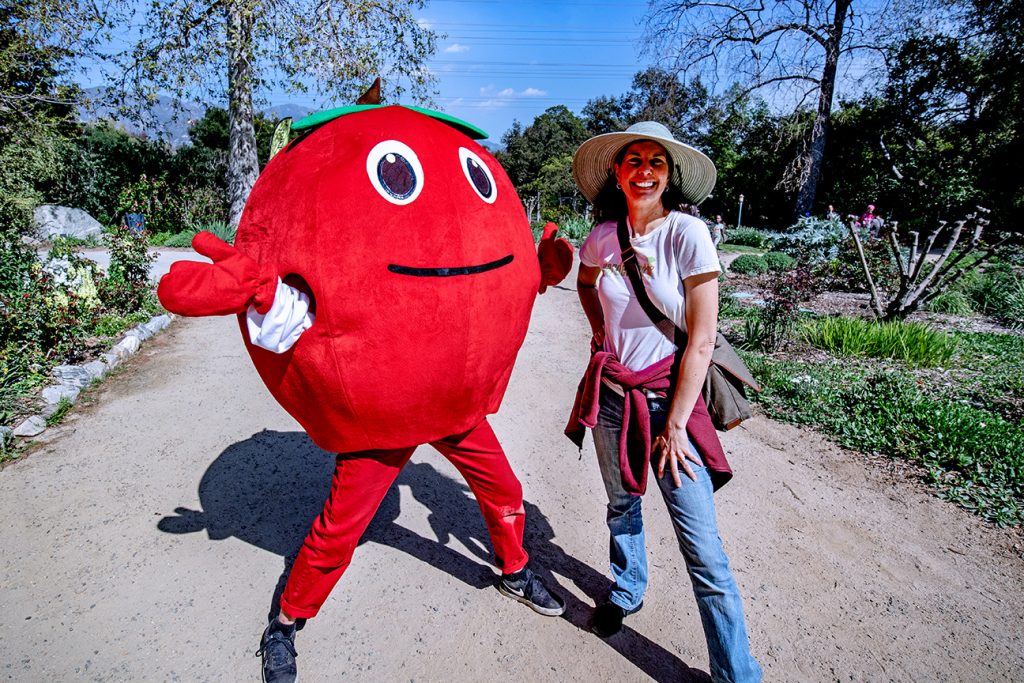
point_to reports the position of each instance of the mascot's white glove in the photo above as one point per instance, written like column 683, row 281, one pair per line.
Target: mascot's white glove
column 284, row 323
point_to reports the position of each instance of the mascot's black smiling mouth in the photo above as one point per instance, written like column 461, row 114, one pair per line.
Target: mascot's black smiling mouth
column 449, row 272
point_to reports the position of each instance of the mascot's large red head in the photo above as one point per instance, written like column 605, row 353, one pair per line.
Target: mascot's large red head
column 421, row 265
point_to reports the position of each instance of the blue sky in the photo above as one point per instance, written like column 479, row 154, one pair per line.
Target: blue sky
column 503, row 61
column 512, row 60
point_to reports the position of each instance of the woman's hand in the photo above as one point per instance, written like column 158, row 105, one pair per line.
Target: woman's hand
column 675, row 450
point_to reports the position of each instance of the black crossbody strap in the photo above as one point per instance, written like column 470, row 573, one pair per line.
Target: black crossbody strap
column 632, row 268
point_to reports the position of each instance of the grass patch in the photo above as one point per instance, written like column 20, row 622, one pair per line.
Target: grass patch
column 912, row 343
column 62, row 409
column 968, row 454
column 953, row 303
column 112, row 325
column 730, row 248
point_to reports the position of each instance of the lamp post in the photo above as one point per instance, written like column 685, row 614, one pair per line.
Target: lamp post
column 739, row 217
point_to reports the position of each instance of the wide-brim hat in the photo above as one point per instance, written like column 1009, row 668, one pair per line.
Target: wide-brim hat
column 692, row 171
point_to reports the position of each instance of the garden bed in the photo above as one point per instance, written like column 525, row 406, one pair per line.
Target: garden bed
column 952, row 414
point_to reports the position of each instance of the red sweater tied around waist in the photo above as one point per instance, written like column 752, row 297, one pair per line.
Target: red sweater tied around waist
column 635, row 437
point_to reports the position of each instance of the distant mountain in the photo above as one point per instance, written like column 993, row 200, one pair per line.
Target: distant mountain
column 170, row 122
column 277, row 112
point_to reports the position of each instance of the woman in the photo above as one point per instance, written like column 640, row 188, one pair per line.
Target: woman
column 639, row 381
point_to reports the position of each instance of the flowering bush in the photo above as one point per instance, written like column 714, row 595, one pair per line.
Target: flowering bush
column 128, row 275
column 776, row 320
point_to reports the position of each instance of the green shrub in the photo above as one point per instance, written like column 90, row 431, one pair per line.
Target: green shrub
column 778, row 261
column 812, row 240
column 913, row 343
column 750, row 237
column 219, row 228
column 179, row 240
column 574, row 228
column 989, row 289
column 748, row 264
column 953, row 302
column 1011, row 313
column 18, row 385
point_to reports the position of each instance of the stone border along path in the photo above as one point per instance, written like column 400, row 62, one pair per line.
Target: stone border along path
column 71, row 379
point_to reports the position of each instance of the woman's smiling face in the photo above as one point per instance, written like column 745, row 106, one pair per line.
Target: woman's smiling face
column 644, row 171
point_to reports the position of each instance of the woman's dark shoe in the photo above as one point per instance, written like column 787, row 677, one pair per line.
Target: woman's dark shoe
column 607, row 619
column 277, row 647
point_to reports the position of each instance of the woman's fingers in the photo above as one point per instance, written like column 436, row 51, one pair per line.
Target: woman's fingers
column 687, row 469
column 677, row 459
column 664, row 450
column 675, row 474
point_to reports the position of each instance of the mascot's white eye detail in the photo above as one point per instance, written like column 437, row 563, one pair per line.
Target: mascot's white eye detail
column 395, row 172
column 478, row 175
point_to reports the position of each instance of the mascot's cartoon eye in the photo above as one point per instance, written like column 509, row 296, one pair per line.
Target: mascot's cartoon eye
column 395, row 172
column 478, row 175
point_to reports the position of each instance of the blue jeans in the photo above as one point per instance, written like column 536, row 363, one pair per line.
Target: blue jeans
column 693, row 517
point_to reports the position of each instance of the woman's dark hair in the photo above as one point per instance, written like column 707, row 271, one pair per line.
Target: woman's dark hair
column 610, row 203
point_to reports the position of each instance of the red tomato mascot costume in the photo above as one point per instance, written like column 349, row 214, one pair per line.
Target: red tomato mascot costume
column 402, row 246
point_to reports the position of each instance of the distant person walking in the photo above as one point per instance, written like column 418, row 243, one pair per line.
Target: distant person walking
column 718, row 231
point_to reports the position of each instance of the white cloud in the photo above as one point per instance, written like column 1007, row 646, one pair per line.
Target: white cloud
column 500, row 98
column 456, row 48
column 492, row 104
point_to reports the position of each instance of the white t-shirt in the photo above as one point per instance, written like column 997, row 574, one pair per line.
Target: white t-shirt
column 678, row 248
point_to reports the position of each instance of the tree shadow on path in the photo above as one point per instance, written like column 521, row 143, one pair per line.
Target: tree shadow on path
column 267, row 490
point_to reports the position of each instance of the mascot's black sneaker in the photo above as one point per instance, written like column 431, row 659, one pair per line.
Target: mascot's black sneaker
column 607, row 619
column 277, row 647
column 527, row 588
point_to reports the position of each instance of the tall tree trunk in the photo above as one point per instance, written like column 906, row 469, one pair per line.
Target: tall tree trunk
column 822, row 120
column 243, row 165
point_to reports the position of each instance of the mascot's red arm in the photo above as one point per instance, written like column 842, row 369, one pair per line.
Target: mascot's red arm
column 555, row 258
column 229, row 285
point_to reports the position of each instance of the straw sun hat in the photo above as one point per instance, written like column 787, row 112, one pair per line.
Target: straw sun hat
column 692, row 171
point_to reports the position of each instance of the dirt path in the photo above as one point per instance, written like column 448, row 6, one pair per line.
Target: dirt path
column 143, row 541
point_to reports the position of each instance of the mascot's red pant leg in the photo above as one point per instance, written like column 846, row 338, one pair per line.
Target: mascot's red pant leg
column 360, row 483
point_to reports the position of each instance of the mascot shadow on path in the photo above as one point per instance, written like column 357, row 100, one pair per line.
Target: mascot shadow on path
column 266, row 490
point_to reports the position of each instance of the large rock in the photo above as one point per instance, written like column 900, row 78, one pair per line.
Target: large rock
column 62, row 221
column 73, row 374
column 56, row 393
column 33, row 426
